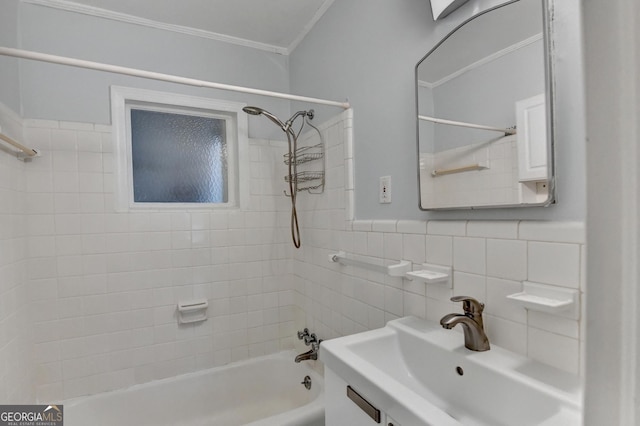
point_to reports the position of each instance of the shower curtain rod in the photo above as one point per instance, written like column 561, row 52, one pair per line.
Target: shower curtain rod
column 63, row 60
column 465, row 124
column 26, row 152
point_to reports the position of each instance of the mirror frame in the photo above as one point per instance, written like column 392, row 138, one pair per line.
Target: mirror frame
column 547, row 32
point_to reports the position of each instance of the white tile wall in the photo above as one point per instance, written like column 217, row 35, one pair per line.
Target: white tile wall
column 490, row 260
column 16, row 360
column 105, row 285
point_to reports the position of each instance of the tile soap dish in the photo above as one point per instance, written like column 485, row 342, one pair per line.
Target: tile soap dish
column 432, row 274
column 547, row 298
column 427, row 276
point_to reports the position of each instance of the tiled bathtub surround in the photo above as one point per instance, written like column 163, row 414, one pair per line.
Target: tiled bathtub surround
column 104, row 285
column 16, row 362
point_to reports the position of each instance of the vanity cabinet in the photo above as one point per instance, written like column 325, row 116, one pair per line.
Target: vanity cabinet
column 344, row 405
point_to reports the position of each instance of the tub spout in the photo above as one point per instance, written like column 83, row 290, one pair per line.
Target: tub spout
column 310, row 354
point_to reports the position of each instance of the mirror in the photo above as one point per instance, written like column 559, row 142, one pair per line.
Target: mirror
column 484, row 106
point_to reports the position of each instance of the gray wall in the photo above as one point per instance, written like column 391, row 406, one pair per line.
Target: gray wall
column 366, row 50
column 9, row 69
column 65, row 93
column 487, row 95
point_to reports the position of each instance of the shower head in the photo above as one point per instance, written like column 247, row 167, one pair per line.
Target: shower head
column 252, row 110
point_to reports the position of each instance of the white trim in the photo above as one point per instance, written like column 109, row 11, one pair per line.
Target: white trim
column 612, row 32
column 483, row 61
column 238, row 188
column 130, row 19
column 307, row 28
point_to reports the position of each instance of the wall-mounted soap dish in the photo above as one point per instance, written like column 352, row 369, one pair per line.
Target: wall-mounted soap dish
column 554, row 300
column 432, row 274
column 192, row 311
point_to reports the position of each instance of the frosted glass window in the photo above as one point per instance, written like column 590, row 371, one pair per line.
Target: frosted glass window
column 178, row 158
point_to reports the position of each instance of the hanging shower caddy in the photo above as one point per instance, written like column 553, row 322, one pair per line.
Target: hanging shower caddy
column 311, row 181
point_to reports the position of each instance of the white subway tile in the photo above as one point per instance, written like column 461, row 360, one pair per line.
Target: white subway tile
column 91, row 182
column 362, row 225
column 415, row 305
column 554, row 324
column 393, row 300
column 414, row 248
column 465, row 284
column 66, row 203
column 553, row 349
column 375, row 245
column 469, row 255
column 507, row 259
column 506, row 334
column 436, row 309
column 412, row 226
column 89, row 142
column 554, row 263
column 384, row 226
column 497, row 303
column 90, row 162
column 439, row 250
column 447, row 227
column 65, row 161
column 493, row 229
column 562, row 232
column 64, row 140
column 72, row 125
column 41, row 246
column 392, row 243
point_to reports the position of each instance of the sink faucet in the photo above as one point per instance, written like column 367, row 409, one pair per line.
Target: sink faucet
column 471, row 321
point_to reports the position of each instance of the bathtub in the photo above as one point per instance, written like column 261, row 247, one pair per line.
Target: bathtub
column 265, row 391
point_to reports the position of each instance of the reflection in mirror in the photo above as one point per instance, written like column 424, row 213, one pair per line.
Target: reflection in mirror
column 484, row 113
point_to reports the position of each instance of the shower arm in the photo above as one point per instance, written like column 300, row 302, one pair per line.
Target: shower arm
column 289, row 122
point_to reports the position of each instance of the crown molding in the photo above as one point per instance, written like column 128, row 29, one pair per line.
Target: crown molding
column 135, row 20
column 326, row 4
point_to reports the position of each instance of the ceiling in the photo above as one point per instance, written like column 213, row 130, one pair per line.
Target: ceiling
column 273, row 25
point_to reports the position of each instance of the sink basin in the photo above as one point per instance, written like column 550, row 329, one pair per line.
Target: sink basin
column 421, row 374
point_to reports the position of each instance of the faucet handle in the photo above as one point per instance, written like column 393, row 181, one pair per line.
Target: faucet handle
column 469, row 304
column 310, row 339
column 302, row 334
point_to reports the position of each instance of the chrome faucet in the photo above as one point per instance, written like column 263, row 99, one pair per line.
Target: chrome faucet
column 310, row 354
column 309, row 340
column 475, row 338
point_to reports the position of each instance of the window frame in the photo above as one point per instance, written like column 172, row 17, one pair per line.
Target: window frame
column 125, row 98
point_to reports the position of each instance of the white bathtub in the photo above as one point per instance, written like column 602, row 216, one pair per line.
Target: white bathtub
column 264, row 391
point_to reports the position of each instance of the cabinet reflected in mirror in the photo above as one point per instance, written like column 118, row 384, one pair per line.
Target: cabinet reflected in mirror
column 485, row 109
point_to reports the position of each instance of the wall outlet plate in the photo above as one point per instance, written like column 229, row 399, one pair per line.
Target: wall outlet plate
column 385, row 190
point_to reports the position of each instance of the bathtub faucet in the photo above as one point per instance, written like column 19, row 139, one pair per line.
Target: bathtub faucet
column 310, row 354
column 309, row 340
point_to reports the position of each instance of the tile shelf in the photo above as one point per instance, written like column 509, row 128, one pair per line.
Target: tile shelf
column 550, row 299
column 432, row 274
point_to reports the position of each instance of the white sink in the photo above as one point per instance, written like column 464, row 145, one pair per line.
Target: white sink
column 421, row 374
